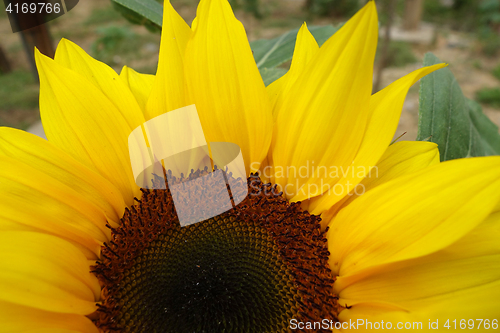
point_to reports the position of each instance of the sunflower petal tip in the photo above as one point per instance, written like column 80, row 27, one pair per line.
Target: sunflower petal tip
column 371, row 5
column 436, row 67
column 39, row 57
column 371, row 11
column 63, row 44
column 64, row 50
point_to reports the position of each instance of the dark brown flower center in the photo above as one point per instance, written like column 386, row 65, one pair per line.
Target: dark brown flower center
column 251, row 269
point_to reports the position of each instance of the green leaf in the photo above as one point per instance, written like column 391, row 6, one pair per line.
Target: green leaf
column 486, row 130
column 447, row 118
column 270, row 53
column 269, row 75
column 144, row 12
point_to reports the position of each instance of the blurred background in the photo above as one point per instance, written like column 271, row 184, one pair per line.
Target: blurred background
column 463, row 33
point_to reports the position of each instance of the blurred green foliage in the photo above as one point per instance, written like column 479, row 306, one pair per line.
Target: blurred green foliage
column 462, row 15
column 18, row 90
column 342, row 8
column 481, row 17
column 477, row 64
column 489, row 96
column 489, row 28
column 102, row 15
column 119, row 45
column 496, row 72
column 399, row 54
column 251, row 6
column 490, row 12
column 113, row 42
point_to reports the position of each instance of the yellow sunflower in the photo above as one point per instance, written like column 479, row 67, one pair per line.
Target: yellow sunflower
column 369, row 235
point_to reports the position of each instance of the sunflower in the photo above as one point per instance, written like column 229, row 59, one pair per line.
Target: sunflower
column 369, row 235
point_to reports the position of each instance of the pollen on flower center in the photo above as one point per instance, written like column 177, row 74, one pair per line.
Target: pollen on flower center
column 250, row 269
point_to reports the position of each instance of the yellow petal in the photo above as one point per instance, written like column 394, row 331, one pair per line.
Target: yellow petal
column 78, row 118
column 140, row 85
column 400, row 158
column 87, row 245
column 414, row 215
column 306, row 48
column 168, row 91
column 363, row 316
column 47, row 273
column 385, row 110
column 71, row 56
column 45, row 157
column 225, row 85
column 325, row 113
column 32, row 198
column 18, row 318
column 459, row 282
